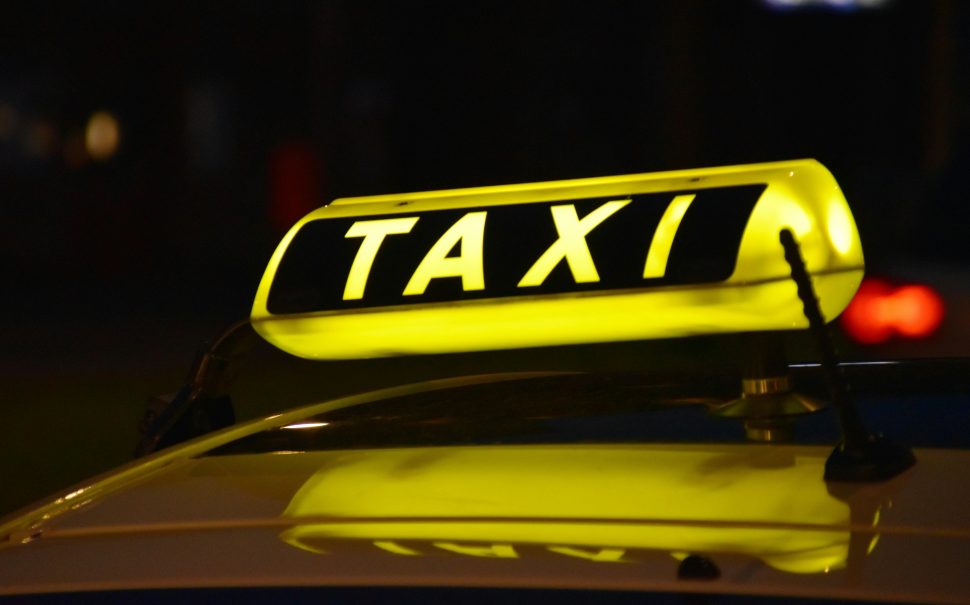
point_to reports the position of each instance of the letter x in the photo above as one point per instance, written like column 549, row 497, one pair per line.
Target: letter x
column 571, row 244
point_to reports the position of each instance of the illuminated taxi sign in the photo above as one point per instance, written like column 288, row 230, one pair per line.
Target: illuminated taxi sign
column 512, row 251
column 616, row 258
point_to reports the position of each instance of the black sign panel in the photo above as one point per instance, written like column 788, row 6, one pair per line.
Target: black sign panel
column 313, row 273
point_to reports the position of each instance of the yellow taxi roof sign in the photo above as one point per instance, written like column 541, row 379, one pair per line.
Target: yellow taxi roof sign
column 590, row 260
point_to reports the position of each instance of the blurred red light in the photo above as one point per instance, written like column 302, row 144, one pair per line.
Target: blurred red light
column 865, row 319
column 296, row 181
column 918, row 311
column 878, row 312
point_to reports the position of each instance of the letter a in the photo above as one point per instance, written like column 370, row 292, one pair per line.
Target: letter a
column 469, row 230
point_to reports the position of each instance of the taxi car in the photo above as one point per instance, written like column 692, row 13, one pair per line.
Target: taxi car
column 661, row 484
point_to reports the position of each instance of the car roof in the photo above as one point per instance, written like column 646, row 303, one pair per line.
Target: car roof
column 587, row 515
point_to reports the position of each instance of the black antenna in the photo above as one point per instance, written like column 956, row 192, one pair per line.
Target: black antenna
column 861, row 456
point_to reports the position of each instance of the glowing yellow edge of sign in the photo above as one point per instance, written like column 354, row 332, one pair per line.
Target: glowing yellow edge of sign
column 801, row 195
column 584, row 483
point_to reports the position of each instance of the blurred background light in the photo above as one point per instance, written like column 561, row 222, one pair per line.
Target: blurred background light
column 918, row 311
column 102, row 135
column 839, row 5
column 879, row 312
column 296, row 175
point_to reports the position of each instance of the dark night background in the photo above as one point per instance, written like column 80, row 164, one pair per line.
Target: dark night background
column 235, row 119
